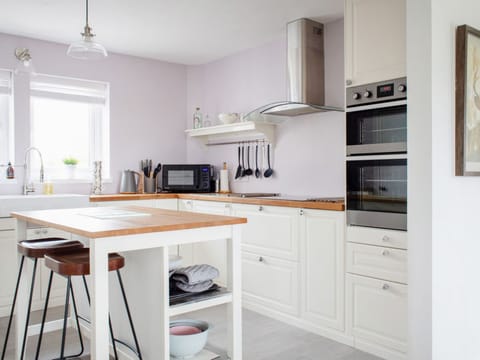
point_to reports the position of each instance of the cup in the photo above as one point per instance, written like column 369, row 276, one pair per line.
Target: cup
column 150, row 185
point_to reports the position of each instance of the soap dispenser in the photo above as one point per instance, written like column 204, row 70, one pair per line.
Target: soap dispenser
column 10, row 171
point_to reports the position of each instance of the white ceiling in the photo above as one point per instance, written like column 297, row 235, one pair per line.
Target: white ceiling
column 180, row 31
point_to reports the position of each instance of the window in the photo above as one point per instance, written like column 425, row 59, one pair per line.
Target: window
column 69, row 119
column 6, row 118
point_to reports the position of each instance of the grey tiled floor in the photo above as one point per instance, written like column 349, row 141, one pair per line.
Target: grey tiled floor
column 263, row 339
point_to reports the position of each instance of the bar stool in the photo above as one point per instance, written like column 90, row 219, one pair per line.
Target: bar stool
column 77, row 263
column 34, row 250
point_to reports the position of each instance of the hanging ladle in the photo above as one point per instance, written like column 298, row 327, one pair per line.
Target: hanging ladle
column 269, row 171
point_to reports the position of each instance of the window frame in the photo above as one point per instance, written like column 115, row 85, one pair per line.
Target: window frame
column 44, row 86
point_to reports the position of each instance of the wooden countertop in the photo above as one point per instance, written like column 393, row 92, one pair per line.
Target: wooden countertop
column 319, row 205
column 96, row 222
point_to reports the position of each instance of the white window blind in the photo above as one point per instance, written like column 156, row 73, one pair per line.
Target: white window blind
column 70, row 118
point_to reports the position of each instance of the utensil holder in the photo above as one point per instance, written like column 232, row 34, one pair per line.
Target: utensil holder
column 150, row 185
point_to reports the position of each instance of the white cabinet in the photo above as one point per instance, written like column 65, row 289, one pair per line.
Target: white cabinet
column 376, row 291
column 377, row 315
column 8, row 259
column 270, row 282
column 322, row 234
column 270, row 230
column 375, row 40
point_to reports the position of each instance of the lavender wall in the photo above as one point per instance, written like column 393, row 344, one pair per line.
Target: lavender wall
column 147, row 106
column 309, row 150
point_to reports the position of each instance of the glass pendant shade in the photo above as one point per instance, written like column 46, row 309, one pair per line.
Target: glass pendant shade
column 87, row 49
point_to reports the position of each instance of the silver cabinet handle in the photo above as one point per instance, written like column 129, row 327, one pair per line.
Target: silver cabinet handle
column 385, row 252
column 260, row 208
column 261, row 259
column 348, row 82
column 385, row 238
column 37, row 232
column 302, row 212
column 385, row 287
column 45, row 231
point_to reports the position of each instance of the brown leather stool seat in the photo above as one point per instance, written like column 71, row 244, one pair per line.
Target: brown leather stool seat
column 41, row 247
column 78, row 262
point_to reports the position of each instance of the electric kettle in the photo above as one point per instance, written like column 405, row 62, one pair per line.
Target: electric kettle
column 128, row 184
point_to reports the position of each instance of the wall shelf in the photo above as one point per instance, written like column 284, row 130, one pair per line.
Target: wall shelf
column 234, row 133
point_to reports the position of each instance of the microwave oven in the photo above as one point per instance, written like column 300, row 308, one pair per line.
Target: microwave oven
column 187, row 178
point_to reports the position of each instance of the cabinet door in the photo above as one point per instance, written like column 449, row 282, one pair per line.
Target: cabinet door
column 323, row 267
column 377, row 312
column 270, row 283
column 375, row 40
column 270, row 230
column 212, row 252
column 144, row 203
column 9, row 269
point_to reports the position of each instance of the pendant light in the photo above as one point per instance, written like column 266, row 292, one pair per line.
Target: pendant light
column 87, row 49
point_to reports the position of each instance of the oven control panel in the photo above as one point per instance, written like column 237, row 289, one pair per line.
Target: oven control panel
column 378, row 92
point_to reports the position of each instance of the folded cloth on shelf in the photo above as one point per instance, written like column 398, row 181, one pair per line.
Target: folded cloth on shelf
column 195, row 274
column 196, row 288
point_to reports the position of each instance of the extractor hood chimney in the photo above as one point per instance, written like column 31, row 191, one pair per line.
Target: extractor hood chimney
column 306, row 73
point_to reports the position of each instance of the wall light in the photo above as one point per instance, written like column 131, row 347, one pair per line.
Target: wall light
column 24, row 64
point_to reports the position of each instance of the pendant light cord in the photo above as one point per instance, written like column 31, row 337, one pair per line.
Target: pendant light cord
column 86, row 12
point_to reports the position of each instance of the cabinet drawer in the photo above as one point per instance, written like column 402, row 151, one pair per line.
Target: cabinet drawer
column 377, row 311
column 8, row 223
column 378, row 262
column 270, row 230
column 380, row 237
column 270, row 282
column 45, row 232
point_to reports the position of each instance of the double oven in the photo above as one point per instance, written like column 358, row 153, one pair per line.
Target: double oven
column 377, row 155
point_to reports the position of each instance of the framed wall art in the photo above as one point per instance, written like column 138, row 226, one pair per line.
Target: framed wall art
column 467, row 102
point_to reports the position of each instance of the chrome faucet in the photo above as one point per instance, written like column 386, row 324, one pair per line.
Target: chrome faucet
column 28, row 186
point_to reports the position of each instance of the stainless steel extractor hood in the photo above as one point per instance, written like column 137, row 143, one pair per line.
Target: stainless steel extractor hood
column 306, row 74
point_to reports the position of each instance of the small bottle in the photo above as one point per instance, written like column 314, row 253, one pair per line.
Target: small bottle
column 197, row 119
column 207, row 122
column 10, row 171
column 224, row 188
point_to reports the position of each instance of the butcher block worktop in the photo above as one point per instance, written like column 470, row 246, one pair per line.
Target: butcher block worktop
column 335, row 204
column 97, row 222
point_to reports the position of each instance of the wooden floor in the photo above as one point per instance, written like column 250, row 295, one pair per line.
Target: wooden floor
column 263, row 339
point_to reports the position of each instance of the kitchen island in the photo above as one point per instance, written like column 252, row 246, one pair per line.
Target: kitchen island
column 132, row 228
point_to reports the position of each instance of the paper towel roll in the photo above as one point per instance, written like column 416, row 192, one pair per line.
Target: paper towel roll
column 224, row 181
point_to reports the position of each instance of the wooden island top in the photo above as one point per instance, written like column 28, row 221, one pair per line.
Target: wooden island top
column 98, row 222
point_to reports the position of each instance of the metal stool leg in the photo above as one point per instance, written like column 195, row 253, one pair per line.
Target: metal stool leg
column 25, row 332
column 65, row 316
column 44, row 315
column 13, row 307
column 139, row 354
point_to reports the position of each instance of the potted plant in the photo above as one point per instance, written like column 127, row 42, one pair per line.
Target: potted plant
column 71, row 165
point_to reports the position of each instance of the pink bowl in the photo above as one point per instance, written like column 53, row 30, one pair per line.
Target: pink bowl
column 184, row 330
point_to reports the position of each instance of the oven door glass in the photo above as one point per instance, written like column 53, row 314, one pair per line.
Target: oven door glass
column 377, row 131
column 377, row 185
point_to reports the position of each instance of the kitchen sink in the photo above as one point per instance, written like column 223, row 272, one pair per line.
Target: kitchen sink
column 9, row 203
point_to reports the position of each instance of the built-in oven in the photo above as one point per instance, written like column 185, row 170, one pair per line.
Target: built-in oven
column 377, row 192
column 377, row 155
column 377, row 118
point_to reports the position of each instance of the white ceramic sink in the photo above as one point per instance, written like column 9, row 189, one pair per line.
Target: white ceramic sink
column 9, row 203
